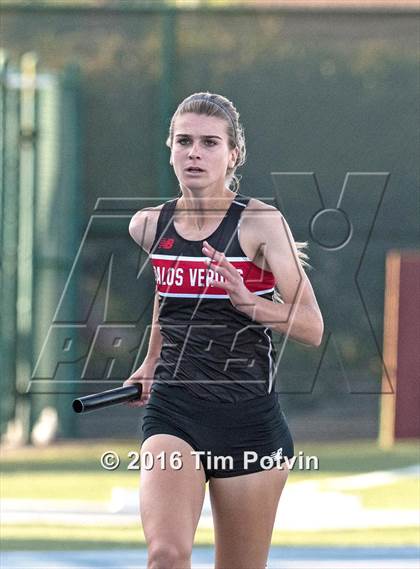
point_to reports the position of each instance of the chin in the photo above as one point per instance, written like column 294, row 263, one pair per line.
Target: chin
column 194, row 186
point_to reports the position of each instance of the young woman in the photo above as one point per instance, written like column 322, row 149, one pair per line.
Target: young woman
column 227, row 273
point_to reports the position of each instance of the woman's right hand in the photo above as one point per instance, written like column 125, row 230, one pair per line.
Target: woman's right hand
column 145, row 376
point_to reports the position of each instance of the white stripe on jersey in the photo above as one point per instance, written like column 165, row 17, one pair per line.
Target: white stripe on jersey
column 270, row 362
column 187, row 295
column 201, row 259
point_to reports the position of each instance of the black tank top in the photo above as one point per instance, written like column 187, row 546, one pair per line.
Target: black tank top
column 209, row 347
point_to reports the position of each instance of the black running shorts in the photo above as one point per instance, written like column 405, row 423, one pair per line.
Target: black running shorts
column 234, row 438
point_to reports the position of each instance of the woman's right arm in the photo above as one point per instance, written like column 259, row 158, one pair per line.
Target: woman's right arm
column 143, row 229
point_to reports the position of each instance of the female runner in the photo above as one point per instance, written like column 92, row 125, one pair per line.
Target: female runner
column 227, row 272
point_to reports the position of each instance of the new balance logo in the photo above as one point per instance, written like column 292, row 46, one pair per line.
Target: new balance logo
column 277, row 453
column 166, row 243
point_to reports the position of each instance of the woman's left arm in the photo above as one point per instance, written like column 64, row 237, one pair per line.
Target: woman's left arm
column 299, row 316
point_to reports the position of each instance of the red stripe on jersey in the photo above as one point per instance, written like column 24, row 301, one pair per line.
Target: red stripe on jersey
column 188, row 276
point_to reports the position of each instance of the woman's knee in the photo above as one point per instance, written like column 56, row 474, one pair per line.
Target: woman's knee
column 167, row 555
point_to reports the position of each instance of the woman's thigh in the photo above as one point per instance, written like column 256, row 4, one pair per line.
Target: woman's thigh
column 244, row 509
column 171, row 499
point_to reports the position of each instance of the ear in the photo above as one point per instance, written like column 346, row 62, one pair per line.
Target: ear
column 233, row 157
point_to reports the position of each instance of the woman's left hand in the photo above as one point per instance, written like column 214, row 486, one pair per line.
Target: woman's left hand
column 233, row 283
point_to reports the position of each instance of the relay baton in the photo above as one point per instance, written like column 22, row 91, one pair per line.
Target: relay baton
column 107, row 398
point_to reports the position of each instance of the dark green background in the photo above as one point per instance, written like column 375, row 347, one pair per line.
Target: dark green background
column 321, row 92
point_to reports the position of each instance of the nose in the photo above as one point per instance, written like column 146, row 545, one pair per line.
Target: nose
column 194, row 150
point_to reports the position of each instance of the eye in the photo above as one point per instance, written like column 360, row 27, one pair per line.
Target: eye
column 184, row 141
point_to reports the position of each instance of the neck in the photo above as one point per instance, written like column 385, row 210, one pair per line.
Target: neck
column 196, row 206
column 198, row 202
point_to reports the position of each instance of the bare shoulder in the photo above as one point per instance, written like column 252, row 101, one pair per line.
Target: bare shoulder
column 257, row 213
column 143, row 226
column 256, row 220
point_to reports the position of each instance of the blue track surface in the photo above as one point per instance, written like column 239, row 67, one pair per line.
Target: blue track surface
column 280, row 558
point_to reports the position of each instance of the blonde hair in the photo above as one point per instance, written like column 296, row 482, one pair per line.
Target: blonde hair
column 214, row 105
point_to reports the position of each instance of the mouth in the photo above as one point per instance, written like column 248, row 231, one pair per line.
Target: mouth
column 194, row 170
